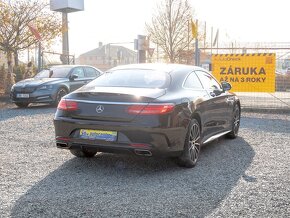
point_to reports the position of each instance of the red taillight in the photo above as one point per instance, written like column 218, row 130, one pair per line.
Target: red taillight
column 62, row 138
column 151, row 109
column 139, row 145
column 67, row 105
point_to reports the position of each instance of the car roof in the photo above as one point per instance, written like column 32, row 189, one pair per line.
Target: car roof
column 72, row 66
column 158, row 67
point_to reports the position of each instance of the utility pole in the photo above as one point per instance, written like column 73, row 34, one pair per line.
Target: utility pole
column 66, row 6
column 196, row 47
column 28, row 55
column 142, row 46
column 211, row 36
column 157, row 52
column 204, row 41
column 65, row 45
column 187, row 55
column 39, row 56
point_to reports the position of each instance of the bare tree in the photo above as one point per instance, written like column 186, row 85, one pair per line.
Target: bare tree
column 15, row 16
column 169, row 27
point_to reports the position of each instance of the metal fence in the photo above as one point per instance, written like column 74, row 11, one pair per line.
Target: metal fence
column 280, row 97
column 269, row 101
column 54, row 58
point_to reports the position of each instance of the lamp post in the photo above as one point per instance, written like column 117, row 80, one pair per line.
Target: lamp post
column 142, row 47
column 65, row 44
column 66, row 6
column 196, row 47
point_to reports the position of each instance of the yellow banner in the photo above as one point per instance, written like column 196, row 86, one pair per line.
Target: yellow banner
column 246, row 72
column 194, row 30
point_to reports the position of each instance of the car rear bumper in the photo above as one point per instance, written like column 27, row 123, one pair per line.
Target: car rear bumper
column 131, row 138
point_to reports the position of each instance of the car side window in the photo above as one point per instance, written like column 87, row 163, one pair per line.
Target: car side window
column 208, row 81
column 79, row 71
column 91, row 72
column 192, row 82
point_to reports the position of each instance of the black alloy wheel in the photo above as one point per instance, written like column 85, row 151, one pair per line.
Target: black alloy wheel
column 21, row 105
column 83, row 153
column 192, row 146
column 235, row 123
column 60, row 93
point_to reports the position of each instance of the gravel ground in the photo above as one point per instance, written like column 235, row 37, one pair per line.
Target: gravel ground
column 245, row 177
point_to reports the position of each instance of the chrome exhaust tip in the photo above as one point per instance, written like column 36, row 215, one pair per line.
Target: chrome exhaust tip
column 142, row 152
column 62, row 145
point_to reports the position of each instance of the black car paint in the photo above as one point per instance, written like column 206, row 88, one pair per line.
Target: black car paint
column 164, row 134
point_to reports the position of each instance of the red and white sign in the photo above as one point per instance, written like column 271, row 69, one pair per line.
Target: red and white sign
column 34, row 31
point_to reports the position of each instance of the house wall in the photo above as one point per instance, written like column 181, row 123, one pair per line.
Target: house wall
column 104, row 60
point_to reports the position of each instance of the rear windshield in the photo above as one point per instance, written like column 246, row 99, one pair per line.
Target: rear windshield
column 59, row 72
column 136, row 78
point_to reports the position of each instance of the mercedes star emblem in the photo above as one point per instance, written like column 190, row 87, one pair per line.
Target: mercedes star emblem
column 100, row 109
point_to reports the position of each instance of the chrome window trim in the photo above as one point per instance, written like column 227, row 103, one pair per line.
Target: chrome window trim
column 199, row 89
column 209, row 74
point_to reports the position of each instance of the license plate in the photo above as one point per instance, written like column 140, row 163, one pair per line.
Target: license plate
column 22, row 95
column 98, row 135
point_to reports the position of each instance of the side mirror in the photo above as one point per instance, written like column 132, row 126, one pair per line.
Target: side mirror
column 73, row 77
column 226, row 86
column 217, row 91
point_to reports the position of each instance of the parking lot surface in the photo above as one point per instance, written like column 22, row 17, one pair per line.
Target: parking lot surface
column 245, row 177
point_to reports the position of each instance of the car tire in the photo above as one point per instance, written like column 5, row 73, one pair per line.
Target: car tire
column 83, row 153
column 235, row 123
column 60, row 93
column 22, row 105
column 192, row 146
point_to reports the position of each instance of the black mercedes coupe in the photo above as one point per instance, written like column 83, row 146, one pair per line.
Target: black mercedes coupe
column 166, row 110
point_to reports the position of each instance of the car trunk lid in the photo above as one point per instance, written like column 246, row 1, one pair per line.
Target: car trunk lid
column 111, row 103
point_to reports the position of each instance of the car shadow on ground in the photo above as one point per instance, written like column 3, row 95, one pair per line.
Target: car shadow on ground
column 111, row 185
